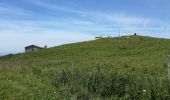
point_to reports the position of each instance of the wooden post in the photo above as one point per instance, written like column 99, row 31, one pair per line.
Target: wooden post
column 168, row 67
column 98, row 68
column 72, row 68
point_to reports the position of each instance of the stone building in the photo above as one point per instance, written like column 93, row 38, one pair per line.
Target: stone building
column 33, row 48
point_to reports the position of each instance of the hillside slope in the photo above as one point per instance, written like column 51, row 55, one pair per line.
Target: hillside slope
column 86, row 70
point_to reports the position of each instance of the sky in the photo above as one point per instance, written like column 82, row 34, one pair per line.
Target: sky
column 57, row 22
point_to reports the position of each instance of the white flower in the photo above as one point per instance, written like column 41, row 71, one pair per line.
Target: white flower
column 144, row 90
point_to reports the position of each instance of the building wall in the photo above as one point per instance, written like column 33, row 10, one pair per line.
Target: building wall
column 31, row 49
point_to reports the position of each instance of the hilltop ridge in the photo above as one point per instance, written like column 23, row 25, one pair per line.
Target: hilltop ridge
column 133, row 63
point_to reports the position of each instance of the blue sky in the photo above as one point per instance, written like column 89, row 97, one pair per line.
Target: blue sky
column 56, row 22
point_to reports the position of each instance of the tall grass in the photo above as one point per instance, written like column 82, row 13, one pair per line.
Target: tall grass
column 33, row 82
column 112, row 85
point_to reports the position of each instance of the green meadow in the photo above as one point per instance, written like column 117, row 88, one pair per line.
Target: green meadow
column 125, row 68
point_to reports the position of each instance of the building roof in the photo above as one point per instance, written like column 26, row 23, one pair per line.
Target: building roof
column 33, row 46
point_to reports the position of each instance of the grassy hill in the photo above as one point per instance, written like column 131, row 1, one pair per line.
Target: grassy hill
column 132, row 67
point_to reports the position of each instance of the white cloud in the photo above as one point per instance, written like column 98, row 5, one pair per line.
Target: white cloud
column 12, row 10
column 54, row 7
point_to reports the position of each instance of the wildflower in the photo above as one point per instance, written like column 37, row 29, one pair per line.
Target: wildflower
column 144, row 90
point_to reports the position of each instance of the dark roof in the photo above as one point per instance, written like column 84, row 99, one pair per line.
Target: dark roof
column 32, row 46
column 98, row 37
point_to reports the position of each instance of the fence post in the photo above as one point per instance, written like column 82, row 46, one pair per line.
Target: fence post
column 168, row 67
column 98, row 68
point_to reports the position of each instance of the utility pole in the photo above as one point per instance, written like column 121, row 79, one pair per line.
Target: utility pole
column 119, row 58
column 119, row 36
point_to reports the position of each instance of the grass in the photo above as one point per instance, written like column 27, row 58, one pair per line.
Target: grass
column 111, row 68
